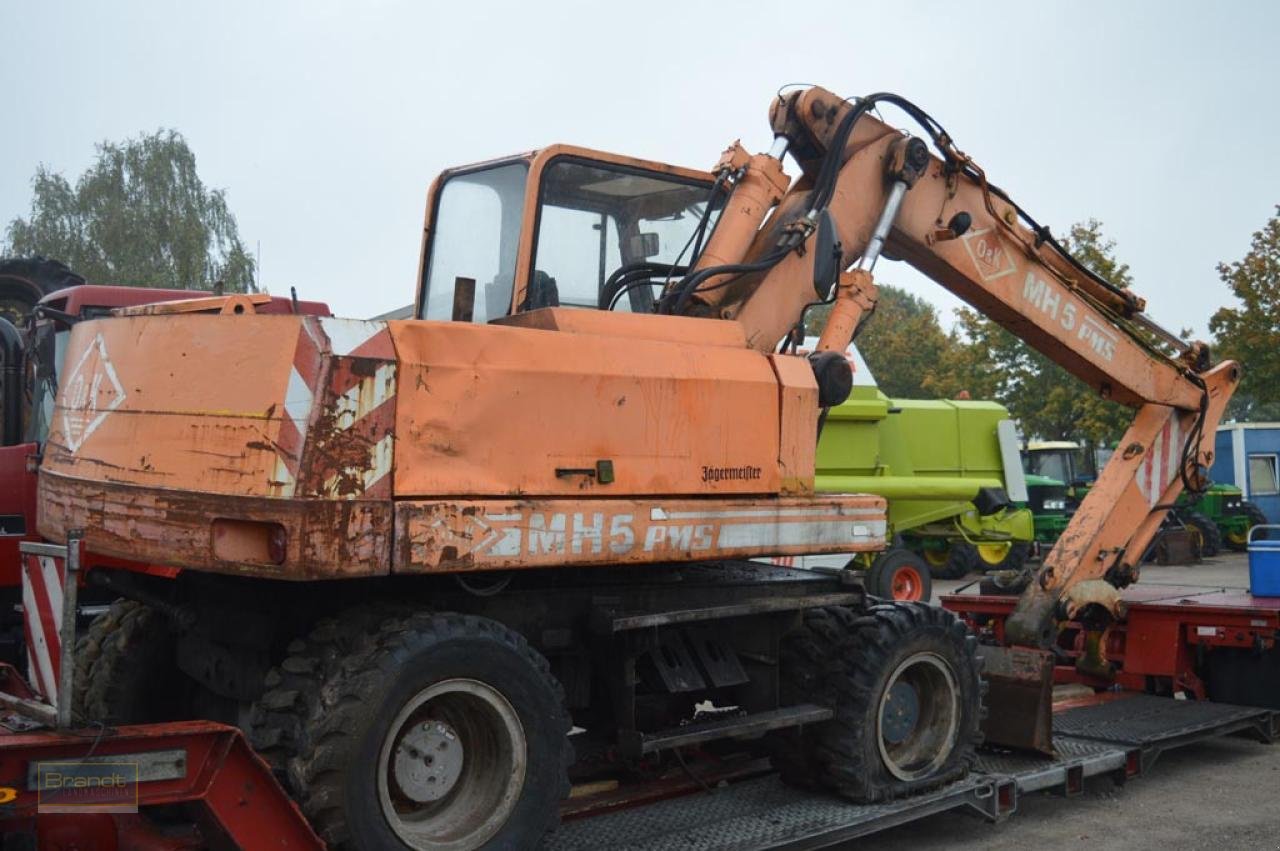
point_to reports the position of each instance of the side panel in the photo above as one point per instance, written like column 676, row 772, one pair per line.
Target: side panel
column 188, row 402
column 798, row 403
column 502, row 534
column 503, row 411
column 273, row 406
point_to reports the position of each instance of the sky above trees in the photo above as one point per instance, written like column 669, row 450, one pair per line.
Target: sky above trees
column 325, row 122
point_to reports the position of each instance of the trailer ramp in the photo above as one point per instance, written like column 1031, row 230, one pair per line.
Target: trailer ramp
column 1120, row 735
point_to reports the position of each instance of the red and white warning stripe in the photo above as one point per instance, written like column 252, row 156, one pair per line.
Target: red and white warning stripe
column 361, row 404
column 43, row 578
column 329, row 385
column 299, row 397
column 1161, row 462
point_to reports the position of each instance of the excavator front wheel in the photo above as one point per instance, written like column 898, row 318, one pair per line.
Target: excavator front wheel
column 439, row 731
column 903, row 680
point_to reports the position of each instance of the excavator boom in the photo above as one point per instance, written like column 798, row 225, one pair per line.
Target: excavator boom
column 867, row 188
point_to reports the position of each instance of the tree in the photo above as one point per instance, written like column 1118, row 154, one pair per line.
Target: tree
column 1250, row 333
column 139, row 215
column 901, row 342
column 1047, row 401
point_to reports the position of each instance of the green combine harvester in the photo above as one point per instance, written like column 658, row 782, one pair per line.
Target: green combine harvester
column 952, row 474
column 1218, row 518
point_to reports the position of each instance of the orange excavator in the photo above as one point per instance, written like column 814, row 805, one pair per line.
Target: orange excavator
column 415, row 553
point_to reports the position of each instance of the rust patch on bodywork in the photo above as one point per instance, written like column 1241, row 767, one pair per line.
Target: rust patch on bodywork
column 326, row 539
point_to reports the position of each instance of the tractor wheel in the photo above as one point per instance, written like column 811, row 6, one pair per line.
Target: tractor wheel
column 899, row 574
column 952, row 563
column 437, row 730
column 1205, row 533
column 1001, row 555
column 126, row 668
column 1239, row 541
column 903, row 680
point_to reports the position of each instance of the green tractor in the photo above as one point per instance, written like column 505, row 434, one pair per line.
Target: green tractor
column 1050, row 505
column 1220, row 517
column 951, row 474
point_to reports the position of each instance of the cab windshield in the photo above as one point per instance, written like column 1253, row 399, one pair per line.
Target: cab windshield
column 598, row 221
column 1065, row 465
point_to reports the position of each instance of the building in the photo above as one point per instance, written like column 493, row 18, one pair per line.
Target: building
column 1247, row 455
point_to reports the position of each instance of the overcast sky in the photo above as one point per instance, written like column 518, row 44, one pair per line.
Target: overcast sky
column 325, row 121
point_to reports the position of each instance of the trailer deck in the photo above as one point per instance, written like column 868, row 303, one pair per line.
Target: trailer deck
column 1119, row 734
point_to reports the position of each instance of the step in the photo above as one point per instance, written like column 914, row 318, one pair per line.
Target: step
column 742, row 725
column 608, row 622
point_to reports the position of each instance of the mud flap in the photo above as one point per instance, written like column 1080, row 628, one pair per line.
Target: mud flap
column 1019, row 698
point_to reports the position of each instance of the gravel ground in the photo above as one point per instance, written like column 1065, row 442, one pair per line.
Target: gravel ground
column 1220, row 795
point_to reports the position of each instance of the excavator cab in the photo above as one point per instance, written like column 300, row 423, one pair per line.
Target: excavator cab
column 560, row 227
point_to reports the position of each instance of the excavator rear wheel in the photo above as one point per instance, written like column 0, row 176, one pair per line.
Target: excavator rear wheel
column 277, row 718
column 437, row 730
column 903, row 679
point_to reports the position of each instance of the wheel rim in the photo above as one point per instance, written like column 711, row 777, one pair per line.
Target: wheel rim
column 452, row 766
column 919, row 717
column 907, row 584
column 937, row 558
column 994, row 553
column 1238, row 537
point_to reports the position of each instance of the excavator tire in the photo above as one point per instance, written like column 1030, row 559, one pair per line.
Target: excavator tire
column 904, row 681
column 276, row 719
column 416, row 736
column 1206, row 531
column 804, row 661
column 126, row 669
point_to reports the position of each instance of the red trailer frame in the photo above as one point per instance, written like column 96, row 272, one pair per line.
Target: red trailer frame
column 207, row 765
column 1161, row 642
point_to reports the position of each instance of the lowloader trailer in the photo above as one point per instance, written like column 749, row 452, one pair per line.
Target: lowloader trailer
column 198, row 784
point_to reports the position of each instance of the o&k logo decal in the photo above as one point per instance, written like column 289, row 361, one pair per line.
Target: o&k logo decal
column 988, row 254
column 92, row 391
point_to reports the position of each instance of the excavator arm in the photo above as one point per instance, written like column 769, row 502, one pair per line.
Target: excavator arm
column 866, row 189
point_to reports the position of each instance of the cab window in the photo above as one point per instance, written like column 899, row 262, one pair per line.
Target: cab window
column 595, row 219
column 475, row 232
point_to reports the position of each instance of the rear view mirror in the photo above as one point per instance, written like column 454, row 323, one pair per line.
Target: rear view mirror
column 643, row 245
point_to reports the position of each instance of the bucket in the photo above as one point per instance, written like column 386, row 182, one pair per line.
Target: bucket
column 1264, row 563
